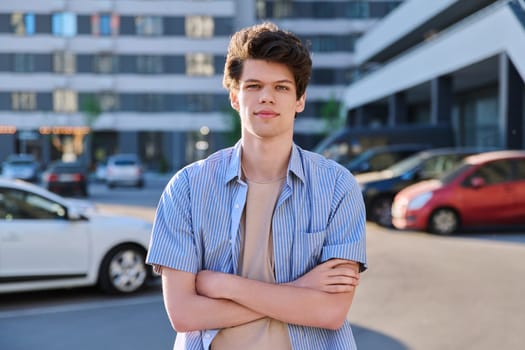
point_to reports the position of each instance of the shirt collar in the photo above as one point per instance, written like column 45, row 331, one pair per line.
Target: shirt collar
column 234, row 166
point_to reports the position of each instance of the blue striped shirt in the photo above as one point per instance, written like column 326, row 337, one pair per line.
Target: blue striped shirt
column 319, row 215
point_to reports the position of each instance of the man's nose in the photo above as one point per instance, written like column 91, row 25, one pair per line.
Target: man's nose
column 266, row 95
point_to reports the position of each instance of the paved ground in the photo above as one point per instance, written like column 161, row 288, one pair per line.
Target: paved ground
column 428, row 292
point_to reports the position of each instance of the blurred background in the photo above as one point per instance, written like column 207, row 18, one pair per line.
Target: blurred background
column 99, row 94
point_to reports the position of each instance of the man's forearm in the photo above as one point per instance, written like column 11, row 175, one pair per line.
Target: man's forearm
column 289, row 304
column 189, row 311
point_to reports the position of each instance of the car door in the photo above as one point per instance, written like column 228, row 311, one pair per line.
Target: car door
column 37, row 241
column 518, row 191
column 490, row 203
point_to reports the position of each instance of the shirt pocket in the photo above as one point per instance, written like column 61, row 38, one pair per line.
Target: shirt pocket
column 307, row 252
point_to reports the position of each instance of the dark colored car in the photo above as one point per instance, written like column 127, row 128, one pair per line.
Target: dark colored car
column 66, row 178
column 486, row 190
column 381, row 157
column 379, row 188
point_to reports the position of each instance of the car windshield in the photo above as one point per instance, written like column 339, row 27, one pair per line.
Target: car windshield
column 407, row 164
column 21, row 162
column 453, row 173
column 124, row 162
column 360, row 158
column 67, row 169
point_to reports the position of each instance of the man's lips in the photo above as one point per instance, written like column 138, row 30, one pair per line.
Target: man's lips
column 266, row 114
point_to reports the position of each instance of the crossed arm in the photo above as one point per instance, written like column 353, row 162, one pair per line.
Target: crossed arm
column 208, row 300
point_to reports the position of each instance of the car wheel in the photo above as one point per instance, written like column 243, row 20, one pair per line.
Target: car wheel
column 123, row 270
column 444, row 221
column 111, row 184
column 381, row 211
column 140, row 183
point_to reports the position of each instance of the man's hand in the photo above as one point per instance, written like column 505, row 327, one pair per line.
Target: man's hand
column 332, row 276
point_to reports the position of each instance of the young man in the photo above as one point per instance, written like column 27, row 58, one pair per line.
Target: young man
column 260, row 245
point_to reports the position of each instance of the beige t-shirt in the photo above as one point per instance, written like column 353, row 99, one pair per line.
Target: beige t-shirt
column 257, row 262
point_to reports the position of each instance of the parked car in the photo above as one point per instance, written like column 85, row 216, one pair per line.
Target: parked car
column 66, row 178
column 21, row 166
column 379, row 188
column 52, row 242
column 381, row 157
column 346, row 144
column 485, row 190
column 125, row 170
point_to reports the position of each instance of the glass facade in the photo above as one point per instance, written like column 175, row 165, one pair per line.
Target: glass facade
column 94, row 63
column 64, row 24
column 323, row 9
column 23, row 23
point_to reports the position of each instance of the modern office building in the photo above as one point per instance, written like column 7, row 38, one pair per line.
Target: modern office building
column 88, row 78
column 453, row 62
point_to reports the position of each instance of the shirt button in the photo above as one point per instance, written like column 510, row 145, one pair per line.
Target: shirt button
column 207, row 336
column 236, row 206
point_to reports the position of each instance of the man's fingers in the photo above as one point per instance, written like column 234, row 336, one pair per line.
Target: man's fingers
column 334, row 262
column 342, row 280
column 343, row 271
column 339, row 288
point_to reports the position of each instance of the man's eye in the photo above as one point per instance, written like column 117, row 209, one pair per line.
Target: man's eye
column 282, row 88
column 252, row 86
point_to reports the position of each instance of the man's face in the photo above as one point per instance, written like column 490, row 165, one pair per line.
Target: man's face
column 266, row 100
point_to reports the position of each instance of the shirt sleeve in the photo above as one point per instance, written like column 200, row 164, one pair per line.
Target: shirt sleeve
column 346, row 230
column 172, row 241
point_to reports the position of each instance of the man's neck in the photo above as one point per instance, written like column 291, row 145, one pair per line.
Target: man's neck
column 265, row 160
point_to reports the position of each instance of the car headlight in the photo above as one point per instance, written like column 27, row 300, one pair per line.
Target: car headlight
column 419, row 201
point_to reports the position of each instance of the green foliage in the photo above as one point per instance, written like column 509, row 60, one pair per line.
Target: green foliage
column 234, row 122
column 330, row 113
column 91, row 109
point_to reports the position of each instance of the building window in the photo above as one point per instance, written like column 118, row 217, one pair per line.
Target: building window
column 24, row 63
column 282, row 8
column 105, row 24
column 199, row 26
column 199, row 103
column 148, row 25
column 65, row 101
column 23, row 24
column 108, row 101
column 23, row 101
column 105, row 64
column 149, row 64
column 151, row 102
column 64, row 62
column 199, row 64
column 64, row 24
column 358, row 9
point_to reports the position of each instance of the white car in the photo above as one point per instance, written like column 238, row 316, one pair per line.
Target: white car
column 21, row 166
column 124, row 169
column 48, row 242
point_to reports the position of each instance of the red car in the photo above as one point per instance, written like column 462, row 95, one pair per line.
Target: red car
column 486, row 190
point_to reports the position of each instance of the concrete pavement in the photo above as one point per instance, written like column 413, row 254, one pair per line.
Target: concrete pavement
column 428, row 292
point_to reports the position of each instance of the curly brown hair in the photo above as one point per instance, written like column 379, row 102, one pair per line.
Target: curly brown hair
column 266, row 41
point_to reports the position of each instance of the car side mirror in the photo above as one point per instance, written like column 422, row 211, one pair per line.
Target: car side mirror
column 477, row 182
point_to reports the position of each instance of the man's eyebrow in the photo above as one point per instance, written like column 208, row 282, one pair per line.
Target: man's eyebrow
column 283, row 81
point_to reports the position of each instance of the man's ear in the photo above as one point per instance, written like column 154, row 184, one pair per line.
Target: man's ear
column 299, row 105
column 234, row 101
